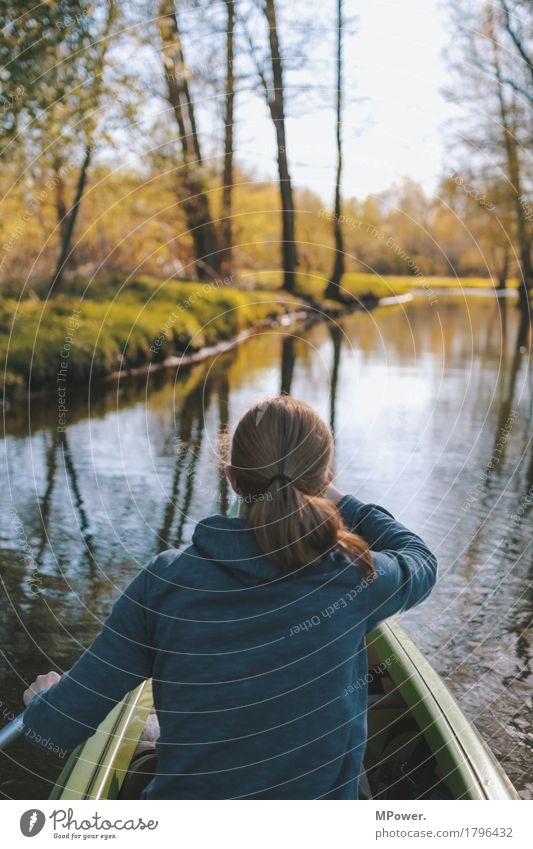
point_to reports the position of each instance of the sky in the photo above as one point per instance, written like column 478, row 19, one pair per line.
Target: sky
column 394, row 117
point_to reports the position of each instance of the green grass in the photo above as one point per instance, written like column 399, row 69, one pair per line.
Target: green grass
column 384, row 287
column 146, row 323
column 145, row 320
column 360, row 284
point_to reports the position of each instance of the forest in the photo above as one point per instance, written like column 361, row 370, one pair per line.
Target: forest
column 119, row 125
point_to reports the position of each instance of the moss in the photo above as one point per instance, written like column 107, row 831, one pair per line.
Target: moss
column 146, row 322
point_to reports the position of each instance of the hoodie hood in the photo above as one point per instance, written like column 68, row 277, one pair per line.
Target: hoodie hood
column 230, row 543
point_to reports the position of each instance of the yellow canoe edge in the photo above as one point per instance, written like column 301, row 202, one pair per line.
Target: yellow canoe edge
column 96, row 768
column 466, row 763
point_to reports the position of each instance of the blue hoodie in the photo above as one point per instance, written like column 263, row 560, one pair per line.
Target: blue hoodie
column 258, row 674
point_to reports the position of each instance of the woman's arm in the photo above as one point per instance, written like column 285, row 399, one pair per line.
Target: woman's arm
column 119, row 659
column 406, row 568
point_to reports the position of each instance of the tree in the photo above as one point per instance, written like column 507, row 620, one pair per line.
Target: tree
column 195, row 202
column 269, row 66
column 59, row 51
column 333, row 288
column 30, row 36
column 472, row 231
column 510, row 135
column 86, row 107
column 517, row 27
column 276, row 104
column 226, row 229
column 494, row 76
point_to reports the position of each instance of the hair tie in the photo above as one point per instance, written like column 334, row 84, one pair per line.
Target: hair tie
column 280, row 477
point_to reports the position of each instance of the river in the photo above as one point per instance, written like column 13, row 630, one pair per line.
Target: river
column 431, row 406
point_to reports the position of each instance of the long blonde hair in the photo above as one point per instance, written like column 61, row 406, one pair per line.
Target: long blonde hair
column 281, row 456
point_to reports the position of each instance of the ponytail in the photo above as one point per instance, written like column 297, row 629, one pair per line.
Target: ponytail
column 281, row 456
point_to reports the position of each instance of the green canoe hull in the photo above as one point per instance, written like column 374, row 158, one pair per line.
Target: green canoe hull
column 461, row 761
column 97, row 768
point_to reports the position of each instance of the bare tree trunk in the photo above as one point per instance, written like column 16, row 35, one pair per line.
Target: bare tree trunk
column 513, row 169
column 67, row 232
column 503, row 269
column 276, row 103
column 61, row 206
column 336, row 338
column 226, row 260
column 287, row 364
column 524, row 239
column 60, row 200
column 196, row 202
column 333, row 288
column 70, row 222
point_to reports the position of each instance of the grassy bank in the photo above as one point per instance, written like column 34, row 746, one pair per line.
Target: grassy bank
column 362, row 284
column 386, row 287
column 94, row 335
column 111, row 325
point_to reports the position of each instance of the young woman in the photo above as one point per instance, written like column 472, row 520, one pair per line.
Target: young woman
column 254, row 635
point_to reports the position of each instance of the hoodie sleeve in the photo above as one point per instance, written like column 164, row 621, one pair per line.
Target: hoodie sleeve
column 406, row 568
column 120, row 658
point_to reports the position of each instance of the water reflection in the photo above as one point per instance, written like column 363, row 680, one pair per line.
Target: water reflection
column 336, row 336
column 431, row 410
column 287, row 364
column 59, row 446
column 187, row 445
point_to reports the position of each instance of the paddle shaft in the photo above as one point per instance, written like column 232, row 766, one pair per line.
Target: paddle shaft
column 11, row 731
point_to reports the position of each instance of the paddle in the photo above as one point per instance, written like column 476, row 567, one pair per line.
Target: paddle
column 11, row 731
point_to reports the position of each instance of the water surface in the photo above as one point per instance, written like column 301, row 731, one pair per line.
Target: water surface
column 431, row 406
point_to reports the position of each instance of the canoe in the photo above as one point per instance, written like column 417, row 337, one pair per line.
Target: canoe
column 420, row 743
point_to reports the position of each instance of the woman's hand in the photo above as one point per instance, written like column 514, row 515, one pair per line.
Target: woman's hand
column 42, row 682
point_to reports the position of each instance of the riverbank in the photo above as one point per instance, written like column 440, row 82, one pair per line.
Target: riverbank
column 114, row 328
column 90, row 334
column 360, row 284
